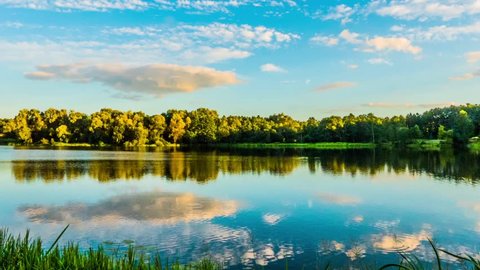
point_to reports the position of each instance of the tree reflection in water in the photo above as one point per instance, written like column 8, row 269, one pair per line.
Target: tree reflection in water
column 205, row 165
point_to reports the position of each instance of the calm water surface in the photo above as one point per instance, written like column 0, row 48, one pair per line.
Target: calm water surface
column 247, row 208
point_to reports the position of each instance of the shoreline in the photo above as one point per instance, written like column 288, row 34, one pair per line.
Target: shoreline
column 431, row 145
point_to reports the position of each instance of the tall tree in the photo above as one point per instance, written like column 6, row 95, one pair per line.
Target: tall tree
column 203, row 126
column 177, row 124
column 463, row 127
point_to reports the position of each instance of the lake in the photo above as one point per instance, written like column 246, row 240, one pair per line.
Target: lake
column 247, row 208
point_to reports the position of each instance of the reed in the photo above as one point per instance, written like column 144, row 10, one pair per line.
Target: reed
column 25, row 253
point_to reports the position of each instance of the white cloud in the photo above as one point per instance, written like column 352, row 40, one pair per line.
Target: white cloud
column 129, row 31
column 397, row 28
column 340, row 12
column 14, row 24
column 379, row 61
column 380, row 43
column 239, row 35
column 213, row 55
column 40, row 75
column 206, row 6
column 335, row 85
column 325, row 40
column 271, row 68
column 466, row 76
column 103, row 5
column 155, row 80
column 272, row 219
column 352, row 66
column 350, row 37
column 444, row 32
column 180, row 44
column 398, row 44
column 222, row 6
column 473, row 57
column 426, row 9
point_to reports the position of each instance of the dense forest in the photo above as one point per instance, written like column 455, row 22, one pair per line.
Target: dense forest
column 455, row 124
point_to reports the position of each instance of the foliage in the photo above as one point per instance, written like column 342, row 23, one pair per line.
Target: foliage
column 454, row 124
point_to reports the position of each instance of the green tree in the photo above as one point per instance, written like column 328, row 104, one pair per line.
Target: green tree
column 63, row 134
column 203, row 126
column 115, row 127
column 157, row 126
column 444, row 134
column 463, row 127
column 415, row 132
column 178, row 122
column 78, row 124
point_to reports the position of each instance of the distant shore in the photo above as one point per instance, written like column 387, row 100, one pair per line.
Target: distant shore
column 320, row 145
column 425, row 145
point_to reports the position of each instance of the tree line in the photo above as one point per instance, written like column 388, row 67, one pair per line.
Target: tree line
column 456, row 124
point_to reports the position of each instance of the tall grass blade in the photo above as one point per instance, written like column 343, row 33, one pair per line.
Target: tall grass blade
column 58, row 238
column 437, row 256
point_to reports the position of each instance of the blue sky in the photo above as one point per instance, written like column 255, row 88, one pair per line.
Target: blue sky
column 243, row 57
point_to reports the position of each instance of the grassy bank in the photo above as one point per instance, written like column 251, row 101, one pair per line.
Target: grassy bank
column 427, row 144
column 60, row 144
column 420, row 144
column 474, row 146
column 17, row 252
column 80, row 145
column 6, row 141
column 324, row 145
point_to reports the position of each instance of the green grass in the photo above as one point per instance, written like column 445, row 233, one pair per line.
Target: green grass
column 27, row 253
column 474, row 146
column 422, row 144
column 60, row 144
column 7, row 140
column 103, row 145
column 324, row 145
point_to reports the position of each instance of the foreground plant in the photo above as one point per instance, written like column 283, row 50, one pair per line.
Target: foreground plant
column 27, row 253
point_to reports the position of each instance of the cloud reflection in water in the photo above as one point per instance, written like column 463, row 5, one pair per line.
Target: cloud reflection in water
column 153, row 207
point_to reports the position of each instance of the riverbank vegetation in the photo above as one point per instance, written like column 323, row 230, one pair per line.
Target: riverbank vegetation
column 17, row 252
column 451, row 125
column 323, row 145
